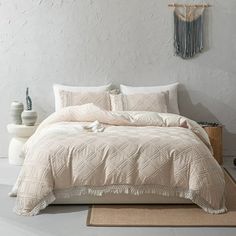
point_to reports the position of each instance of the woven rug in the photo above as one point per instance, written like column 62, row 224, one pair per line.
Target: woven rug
column 165, row 215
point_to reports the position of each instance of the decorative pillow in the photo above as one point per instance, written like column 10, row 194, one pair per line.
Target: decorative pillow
column 171, row 88
column 140, row 102
column 57, row 88
column 100, row 99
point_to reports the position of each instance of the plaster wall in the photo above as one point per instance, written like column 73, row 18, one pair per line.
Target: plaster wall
column 94, row 42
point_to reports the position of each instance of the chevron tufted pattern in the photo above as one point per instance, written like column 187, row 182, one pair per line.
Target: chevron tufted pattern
column 100, row 99
column 156, row 102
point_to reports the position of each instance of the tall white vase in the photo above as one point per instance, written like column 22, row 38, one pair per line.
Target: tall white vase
column 16, row 110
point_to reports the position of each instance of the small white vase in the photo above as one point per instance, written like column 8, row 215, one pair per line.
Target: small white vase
column 29, row 117
column 16, row 110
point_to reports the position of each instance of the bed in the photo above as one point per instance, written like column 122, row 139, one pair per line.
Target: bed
column 86, row 154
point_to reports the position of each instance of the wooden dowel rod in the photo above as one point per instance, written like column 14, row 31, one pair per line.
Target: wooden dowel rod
column 188, row 5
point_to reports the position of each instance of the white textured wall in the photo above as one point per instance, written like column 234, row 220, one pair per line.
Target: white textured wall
column 92, row 42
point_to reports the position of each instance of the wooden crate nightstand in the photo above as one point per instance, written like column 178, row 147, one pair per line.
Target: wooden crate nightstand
column 214, row 132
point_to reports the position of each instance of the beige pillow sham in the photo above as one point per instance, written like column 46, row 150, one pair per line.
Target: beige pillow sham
column 100, row 99
column 155, row 102
column 172, row 89
column 57, row 88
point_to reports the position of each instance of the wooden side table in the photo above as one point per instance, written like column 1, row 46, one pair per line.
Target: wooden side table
column 20, row 134
column 215, row 136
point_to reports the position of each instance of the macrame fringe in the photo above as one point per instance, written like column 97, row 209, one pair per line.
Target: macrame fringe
column 188, row 35
column 125, row 189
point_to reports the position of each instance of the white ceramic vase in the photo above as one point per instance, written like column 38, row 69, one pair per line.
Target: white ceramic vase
column 16, row 110
column 29, row 117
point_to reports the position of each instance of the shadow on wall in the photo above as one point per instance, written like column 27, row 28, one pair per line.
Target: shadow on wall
column 199, row 112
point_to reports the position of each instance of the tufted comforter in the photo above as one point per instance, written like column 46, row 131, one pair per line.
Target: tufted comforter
column 122, row 152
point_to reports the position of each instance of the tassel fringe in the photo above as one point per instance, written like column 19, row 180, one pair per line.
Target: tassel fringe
column 188, row 36
column 119, row 189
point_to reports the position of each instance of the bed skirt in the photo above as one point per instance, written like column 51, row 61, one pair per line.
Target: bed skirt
column 122, row 199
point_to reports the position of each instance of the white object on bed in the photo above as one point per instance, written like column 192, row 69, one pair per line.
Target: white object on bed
column 171, row 88
column 156, row 102
column 59, row 87
column 74, row 128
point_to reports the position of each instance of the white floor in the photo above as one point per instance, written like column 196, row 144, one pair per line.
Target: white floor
column 71, row 219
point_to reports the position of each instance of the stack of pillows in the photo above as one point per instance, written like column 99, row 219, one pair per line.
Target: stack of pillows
column 156, row 98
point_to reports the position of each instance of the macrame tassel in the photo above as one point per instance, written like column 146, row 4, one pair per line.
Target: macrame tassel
column 188, row 33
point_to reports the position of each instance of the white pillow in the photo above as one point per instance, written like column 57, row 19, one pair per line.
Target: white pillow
column 57, row 88
column 171, row 88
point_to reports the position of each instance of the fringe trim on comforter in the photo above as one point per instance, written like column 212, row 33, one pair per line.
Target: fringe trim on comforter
column 40, row 206
column 119, row 189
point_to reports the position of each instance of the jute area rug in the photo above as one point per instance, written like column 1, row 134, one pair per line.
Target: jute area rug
column 165, row 215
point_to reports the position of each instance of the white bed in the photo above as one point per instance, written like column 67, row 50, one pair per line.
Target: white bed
column 85, row 154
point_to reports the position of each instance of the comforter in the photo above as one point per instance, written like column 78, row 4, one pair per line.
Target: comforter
column 122, row 152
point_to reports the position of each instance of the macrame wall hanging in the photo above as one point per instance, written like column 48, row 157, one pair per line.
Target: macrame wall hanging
column 188, row 29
